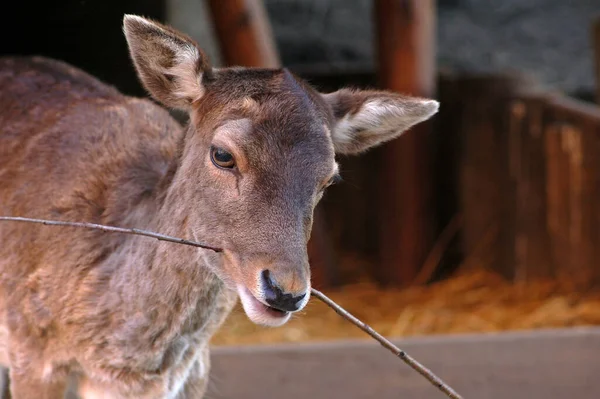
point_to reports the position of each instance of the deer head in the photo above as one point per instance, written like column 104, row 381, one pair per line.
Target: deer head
column 256, row 158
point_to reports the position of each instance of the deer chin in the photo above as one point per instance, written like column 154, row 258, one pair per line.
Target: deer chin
column 258, row 312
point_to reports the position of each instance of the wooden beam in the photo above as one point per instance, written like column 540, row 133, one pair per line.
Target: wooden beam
column 406, row 52
column 244, row 33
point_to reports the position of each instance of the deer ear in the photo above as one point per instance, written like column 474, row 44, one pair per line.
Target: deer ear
column 169, row 64
column 365, row 118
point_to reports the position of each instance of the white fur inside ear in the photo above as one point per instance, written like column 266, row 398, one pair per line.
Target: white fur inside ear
column 187, row 77
column 184, row 71
column 379, row 120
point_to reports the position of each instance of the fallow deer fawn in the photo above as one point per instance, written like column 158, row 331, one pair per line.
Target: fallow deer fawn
column 127, row 316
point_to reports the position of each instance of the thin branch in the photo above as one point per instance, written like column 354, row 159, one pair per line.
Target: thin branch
column 415, row 365
column 112, row 229
column 418, row 367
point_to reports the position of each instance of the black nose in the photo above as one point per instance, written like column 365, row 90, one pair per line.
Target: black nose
column 275, row 296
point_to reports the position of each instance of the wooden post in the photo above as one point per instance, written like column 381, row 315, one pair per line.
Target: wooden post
column 528, row 170
column 322, row 254
column 405, row 34
column 244, row 33
column 573, row 180
column 596, row 45
column 488, row 161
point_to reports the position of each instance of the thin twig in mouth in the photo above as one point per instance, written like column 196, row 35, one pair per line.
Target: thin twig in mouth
column 415, row 365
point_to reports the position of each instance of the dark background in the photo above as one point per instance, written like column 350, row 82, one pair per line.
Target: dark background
column 548, row 39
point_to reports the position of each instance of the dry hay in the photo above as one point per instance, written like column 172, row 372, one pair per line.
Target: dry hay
column 472, row 301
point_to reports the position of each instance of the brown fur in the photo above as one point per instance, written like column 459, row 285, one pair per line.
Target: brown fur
column 127, row 316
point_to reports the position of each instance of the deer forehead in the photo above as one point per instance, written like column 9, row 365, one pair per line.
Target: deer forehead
column 268, row 119
column 294, row 145
column 232, row 132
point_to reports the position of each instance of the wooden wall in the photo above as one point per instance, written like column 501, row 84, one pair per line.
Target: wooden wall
column 528, row 179
column 518, row 166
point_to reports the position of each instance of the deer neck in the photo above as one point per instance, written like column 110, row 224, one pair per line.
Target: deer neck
column 174, row 281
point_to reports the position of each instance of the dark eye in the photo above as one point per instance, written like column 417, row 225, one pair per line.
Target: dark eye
column 221, row 158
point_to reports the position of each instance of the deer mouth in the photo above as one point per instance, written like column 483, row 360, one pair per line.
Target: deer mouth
column 259, row 312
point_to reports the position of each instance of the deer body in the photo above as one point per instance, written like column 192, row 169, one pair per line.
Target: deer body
column 127, row 316
column 73, row 148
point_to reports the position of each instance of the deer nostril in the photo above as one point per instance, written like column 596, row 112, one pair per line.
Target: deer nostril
column 275, row 296
column 270, row 287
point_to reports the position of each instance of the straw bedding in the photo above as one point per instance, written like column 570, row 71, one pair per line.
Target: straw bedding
column 472, row 301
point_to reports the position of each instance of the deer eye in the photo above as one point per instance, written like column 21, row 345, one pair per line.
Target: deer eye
column 221, row 158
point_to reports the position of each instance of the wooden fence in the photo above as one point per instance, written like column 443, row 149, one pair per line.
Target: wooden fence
column 528, row 179
column 521, row 168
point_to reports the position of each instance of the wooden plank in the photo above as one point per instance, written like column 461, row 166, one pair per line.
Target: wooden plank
column 579, row 129
column 575, row 109
column 531, row 237
column 538, row 261
column 244, row 33
column 557, row 180
column 321, row 254
column 446, row 156
column 515, row 365
column 505, row 193
column 406, row 53
column 571, row 141
column 488, row 161
column 518, row 168
column 588, row 204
